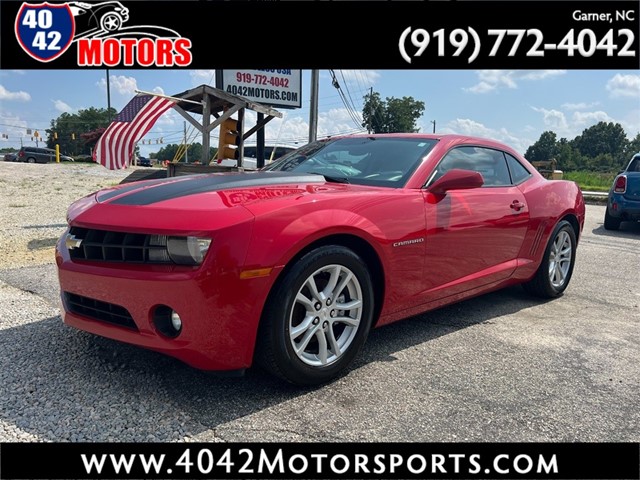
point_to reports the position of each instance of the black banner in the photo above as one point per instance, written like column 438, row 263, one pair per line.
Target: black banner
column 294, row 34
column 313, row 460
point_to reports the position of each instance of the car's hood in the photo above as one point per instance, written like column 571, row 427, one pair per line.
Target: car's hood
column 202, row 202
column 165, row 190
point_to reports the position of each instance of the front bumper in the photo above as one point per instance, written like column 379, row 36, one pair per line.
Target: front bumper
column 219, row 311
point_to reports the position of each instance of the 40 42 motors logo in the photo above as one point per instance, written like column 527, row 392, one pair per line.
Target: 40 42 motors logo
column 102, row 35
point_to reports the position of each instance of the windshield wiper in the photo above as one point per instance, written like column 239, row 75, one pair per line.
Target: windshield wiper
column 331, row 178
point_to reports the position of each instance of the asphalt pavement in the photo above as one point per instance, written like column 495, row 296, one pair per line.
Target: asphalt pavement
column 497, row 368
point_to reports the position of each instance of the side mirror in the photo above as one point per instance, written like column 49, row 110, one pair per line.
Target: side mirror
column 456, row 179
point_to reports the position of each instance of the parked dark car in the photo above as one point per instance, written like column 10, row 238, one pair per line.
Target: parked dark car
column 10, row 157
column 40, row 155
column 144, row 162
column 624, row 197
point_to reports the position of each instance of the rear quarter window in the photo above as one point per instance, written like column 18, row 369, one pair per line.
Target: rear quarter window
column 518, row 172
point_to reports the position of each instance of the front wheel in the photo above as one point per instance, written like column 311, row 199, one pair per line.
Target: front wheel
column 318, row 317
column 556, row 268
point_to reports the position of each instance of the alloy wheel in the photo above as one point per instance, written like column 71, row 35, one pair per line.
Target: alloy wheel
column 325, row 315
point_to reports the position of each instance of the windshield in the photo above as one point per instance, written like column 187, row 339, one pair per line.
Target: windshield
column 378, row 161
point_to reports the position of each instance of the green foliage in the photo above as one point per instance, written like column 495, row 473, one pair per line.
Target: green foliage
column 194, row 153
column 602, row 139
column 633, row 147
column 374, row 112
column 391, row 115
column 86, row 126
column 591, row 181
column 544, row 149
column 603, row 147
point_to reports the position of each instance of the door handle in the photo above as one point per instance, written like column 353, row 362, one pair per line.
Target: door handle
column 517, row 206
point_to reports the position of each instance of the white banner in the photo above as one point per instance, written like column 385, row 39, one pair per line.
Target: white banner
column 277, row 88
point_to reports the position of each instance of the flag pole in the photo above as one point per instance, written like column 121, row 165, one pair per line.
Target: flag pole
column 168, row 96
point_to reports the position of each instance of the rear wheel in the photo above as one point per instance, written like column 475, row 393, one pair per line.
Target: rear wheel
column 556, row 268
column 31, row 160
column 611, row 222
column 317, row 318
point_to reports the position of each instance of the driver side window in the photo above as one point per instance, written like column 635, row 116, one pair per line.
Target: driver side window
column 486, row 161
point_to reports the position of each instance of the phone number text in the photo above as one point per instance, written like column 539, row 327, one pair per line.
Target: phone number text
column 259, row 79
column 467, row 42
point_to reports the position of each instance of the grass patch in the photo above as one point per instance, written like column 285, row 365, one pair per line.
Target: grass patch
column 591, row 181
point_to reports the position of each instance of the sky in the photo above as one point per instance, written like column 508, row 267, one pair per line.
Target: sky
column 512, row 106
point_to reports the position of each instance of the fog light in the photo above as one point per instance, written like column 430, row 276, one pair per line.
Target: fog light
column 176, row 321
column 167, row 321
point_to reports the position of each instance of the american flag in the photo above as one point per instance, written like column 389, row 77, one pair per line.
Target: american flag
column 115, row 147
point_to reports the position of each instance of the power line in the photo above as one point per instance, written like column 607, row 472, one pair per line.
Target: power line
column 350, row 111
column 346, row 87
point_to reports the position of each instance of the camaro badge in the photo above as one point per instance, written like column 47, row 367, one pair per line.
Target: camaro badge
column 409, row 242
column 72, row 241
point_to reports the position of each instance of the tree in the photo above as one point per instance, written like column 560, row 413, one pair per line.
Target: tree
column 566, row 155
column 544, row 149
column 374, row 112
column 633, row 147
column 391, row 115
column 172, row 151
column 168, row 152
column 77, row 133
column 603, row 147
column 601, row 139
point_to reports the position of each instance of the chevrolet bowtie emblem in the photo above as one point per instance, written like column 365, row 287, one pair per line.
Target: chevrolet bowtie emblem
column 72, row 241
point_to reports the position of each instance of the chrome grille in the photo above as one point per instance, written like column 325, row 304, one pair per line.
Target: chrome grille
column 98, row 310
column 108, row 246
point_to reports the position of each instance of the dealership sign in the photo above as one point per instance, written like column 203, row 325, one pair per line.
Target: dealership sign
column 278, row 88
column 104, row 33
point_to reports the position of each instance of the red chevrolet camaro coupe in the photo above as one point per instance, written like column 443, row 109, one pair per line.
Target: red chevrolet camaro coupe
column 291, row 266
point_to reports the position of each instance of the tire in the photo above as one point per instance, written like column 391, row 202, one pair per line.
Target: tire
column 553, row 275
column 110, row 22
column 31, row 160
column 611, row 222
column 305, row 337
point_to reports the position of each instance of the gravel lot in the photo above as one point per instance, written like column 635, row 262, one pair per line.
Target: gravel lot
column 502, row 367
column 35, row 198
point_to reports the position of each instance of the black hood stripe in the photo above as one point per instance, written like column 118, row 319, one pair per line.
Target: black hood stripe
column 104, row 196
column 168, row 190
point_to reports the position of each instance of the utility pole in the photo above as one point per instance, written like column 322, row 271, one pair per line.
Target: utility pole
column 108, row 97
column 186, row 147
column 434, row 125
column 260, row 143
column 313, row 109
column 370, row 110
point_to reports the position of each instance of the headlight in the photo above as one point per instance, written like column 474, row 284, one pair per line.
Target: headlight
column 188, row 250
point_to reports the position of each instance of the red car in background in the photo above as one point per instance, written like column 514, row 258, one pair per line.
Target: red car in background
column 291, row 266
